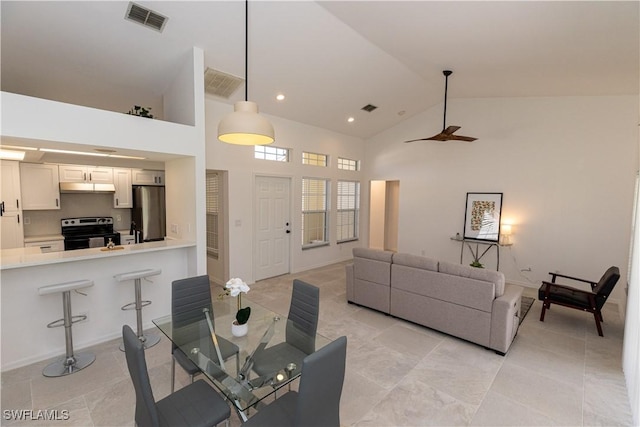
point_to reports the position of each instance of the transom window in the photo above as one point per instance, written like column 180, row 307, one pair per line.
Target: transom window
column 348, row 164
column 314, row 159
column 348, row 204
column 314, row 211
column 268, row 152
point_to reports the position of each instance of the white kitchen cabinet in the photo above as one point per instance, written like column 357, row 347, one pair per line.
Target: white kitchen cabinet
column 123, row 197
column 11, row 228
column 79, row 173
column 40, row 186
column 147, row 177
column 47, row 246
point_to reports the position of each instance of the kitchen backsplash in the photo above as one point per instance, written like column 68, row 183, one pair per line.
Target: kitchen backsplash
column 39, row 223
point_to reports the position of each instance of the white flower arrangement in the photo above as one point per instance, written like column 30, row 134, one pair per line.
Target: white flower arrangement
column 236, row 286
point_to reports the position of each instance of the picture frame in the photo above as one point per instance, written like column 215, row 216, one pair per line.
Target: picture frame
column 482, row 216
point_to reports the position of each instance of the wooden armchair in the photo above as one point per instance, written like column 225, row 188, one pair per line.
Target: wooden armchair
column 592, row 302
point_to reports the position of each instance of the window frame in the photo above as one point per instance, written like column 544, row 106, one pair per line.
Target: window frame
column 278, row 152
column 308, row 159
column 343, row 160
column 355, row 210
column 326, row 212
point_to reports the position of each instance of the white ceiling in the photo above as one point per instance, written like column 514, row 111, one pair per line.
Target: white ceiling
column 329, row 58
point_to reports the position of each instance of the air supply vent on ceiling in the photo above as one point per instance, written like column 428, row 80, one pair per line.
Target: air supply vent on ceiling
column 146, row 17
column 220, row 84
column 369, row 108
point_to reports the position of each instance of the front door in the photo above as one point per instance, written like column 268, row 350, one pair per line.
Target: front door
column 272, row 226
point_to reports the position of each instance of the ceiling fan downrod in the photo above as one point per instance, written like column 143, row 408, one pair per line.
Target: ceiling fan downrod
column 446, row 73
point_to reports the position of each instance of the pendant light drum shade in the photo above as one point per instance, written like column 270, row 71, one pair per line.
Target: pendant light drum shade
column 245, row 126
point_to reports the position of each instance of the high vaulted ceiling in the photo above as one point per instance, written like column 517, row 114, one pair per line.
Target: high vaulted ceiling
column 329, row 58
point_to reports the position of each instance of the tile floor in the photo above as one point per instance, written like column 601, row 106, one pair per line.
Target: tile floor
column 398, row 374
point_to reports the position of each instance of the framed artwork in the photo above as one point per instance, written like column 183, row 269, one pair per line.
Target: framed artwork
column 482, row 216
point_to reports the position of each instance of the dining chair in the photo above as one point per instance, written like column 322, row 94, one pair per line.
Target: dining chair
column 299, row 335
column 197, row 404
column 189, row 297
column 317, row 401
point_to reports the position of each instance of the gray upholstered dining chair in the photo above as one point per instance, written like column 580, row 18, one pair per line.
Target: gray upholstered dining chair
column 188, row 299
column 317, row 401
column 197, row 404
column 300, row 332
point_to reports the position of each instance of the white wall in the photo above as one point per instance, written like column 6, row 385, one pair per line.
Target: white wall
column 242, row 169
column 566, row 167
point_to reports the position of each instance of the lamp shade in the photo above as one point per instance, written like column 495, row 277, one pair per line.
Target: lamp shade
column 245, row 126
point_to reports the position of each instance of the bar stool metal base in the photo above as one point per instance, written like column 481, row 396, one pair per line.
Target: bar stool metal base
column 148, row 340
column 67, row 366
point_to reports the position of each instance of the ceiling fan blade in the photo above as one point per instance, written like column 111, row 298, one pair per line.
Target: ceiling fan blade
column 414, row 140
column 462, row 138
column 450, row 130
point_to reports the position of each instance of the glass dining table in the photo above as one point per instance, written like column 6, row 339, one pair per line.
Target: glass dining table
column 192, row 332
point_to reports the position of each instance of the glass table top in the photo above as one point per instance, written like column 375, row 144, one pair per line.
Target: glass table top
column 191, row 332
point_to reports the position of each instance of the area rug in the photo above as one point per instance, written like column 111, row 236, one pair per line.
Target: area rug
column 525, row 305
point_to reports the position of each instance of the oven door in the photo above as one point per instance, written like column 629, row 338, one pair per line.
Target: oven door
column 96, row 242
column 73, row 243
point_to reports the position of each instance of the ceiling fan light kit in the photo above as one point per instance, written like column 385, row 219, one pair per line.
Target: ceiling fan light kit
column 447, row 133
column 245, row 126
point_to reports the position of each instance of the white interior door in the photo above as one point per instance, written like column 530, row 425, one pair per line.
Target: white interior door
column 272, row 226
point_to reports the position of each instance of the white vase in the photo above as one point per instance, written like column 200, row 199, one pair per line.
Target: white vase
column 239, row 330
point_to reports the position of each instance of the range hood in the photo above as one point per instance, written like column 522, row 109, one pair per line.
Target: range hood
column 86, row 187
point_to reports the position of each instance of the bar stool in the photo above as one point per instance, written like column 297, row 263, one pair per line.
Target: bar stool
column 148, row 340
column 71, row 362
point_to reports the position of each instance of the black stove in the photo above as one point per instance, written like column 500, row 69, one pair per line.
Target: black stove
column 88, row 232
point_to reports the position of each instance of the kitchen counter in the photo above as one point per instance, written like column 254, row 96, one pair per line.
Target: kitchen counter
column 46, row 238
column 28, row 257
column 24, row 270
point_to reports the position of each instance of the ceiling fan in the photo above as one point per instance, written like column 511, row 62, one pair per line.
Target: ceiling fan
column 447, row 132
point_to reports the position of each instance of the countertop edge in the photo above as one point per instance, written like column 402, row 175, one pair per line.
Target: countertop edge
column 29, row 257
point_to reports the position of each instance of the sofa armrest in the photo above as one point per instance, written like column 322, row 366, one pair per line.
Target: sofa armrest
column 350, row 291
column 505, row 318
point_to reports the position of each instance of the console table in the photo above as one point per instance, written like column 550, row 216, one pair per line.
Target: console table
column 478, row 243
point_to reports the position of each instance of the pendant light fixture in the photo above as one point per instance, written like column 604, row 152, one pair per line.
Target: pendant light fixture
column 245, row 126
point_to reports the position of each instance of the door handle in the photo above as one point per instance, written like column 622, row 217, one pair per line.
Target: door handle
column 288, row 230
column 1, row 208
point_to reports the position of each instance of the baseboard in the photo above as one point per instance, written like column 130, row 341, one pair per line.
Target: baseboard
column 78, row 346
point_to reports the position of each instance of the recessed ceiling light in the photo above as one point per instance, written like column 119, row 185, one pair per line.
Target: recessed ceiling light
column 351, row 120
column 280, row 97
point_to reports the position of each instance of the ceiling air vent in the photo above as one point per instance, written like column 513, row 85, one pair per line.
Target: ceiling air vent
column 146, row 17
column 220, row 84
column 369, row 108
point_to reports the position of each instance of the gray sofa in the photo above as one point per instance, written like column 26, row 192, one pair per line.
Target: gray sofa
column 470, row 303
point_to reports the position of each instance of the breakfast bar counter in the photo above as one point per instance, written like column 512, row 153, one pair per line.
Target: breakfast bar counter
column 25, row 313
column 32, row 256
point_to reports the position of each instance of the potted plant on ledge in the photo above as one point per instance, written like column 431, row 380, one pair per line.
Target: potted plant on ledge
column 236, row 287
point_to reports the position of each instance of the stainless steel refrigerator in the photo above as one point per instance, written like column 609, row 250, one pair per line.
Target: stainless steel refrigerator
column 149, row 212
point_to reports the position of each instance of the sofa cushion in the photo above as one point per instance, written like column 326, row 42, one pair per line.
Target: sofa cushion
column 416, row 261
column 462, row 291
column 495, row 277
column 372, row 265
column 374, row 254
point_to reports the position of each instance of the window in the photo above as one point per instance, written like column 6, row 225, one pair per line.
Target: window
column 213, row 204
column 314, row 211
column 267, row 152
column 314, row 159
column 348, row 208
column 348, row 164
